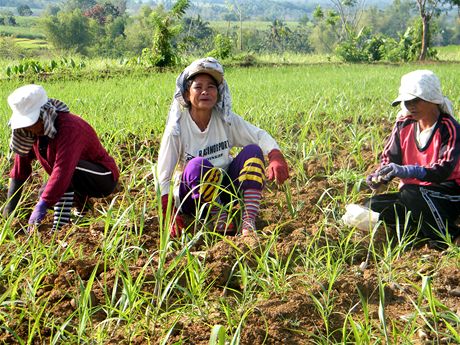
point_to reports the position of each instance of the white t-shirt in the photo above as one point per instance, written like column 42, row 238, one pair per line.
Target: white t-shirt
column 214, row 144
column 423, row 136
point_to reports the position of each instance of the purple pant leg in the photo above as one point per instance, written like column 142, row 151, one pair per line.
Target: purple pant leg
column 247, row 170
column 191, row 181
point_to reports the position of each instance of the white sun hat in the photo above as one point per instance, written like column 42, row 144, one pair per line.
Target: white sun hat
column 26, row 102
column 422, row 84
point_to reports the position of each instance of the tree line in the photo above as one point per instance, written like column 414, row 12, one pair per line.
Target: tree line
column 159, row 35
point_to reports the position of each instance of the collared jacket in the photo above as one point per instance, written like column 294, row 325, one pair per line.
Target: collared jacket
column 75, row 140
column 440, row 156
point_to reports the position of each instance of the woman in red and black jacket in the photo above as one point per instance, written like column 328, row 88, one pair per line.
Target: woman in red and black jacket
column 66, row 146
column 423, row 151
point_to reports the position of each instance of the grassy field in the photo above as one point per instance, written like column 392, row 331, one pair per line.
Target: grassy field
column 26, row 43
column 27, row 27
column 116, row 277
column 449, row 53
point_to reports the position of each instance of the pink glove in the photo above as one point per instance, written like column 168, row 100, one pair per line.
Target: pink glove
column 277, row 167
column 178, row 223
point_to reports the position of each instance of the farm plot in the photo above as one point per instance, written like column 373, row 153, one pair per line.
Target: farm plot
column 115, row 277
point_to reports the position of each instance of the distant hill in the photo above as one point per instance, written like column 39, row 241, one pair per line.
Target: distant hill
column 262, row 9
column 219, row 9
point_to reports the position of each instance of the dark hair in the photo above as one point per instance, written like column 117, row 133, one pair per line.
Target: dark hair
column 190, row 80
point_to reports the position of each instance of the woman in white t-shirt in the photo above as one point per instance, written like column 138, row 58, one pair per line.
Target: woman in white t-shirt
column 195, row 153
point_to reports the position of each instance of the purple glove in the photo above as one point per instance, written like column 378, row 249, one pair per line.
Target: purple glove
column 392, row 170
column 39, row 212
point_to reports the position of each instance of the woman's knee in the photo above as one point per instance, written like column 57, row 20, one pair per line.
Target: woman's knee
column 196, row 168
column 253, row 150
column 252, row 171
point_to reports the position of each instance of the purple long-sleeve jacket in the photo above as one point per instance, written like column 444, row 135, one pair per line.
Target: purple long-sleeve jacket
column 75, row 140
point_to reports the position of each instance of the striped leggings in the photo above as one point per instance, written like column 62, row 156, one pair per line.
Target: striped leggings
column 201, row 182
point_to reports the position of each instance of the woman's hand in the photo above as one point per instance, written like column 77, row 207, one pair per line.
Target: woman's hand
column 374, row 181
column 277, row 167
column 176, row 220
column 38, row 213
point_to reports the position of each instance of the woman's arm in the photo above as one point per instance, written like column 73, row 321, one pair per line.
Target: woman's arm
column 168, row 158
column 244, row 133
column 392, row 150
column 22, row 168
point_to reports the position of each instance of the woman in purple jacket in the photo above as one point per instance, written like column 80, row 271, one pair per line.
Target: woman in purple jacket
column 66, row 146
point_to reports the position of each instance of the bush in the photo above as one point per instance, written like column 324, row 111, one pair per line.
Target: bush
column 408, row 47
column 363, row 47
column 222, row 47
column 9, row 49
column 31, row 66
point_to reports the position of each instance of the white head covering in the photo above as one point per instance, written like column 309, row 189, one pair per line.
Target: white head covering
column 422, row 84
column 30, row 103
column 25, row 102
column 179, row 105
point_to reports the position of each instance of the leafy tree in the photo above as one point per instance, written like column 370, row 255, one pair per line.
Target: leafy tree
column 83, row 5
column 7, row 18
column 299, row 40
column 120, row 5
column 52, row 10
column 349, row 13
column 166, row 27
column 196, row 36
column 407, row 48
column 394, row 19
column 367, row 47
column 139, row 31
column 68, row 31
column 361, row 47
column 102, row 12
column 325, row 33
column 24, row 10
column 278, row 34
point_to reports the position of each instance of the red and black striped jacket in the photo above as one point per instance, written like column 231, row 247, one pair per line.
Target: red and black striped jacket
column 440, row 156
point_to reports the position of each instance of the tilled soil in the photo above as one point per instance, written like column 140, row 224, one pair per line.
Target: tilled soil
column 288, row 316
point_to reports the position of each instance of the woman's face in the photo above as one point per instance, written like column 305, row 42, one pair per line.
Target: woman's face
column 203, row 92
column 36, row 129
column 420, row 109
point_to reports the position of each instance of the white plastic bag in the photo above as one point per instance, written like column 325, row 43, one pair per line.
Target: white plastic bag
column 360, row 217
